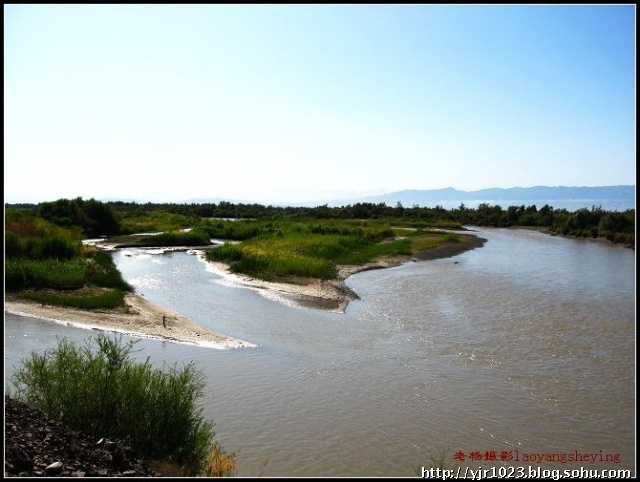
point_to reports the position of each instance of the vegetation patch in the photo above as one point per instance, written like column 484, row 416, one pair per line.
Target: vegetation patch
column 25, row 273
column 85, row 299
column 314, row 249
column 48, row 264
column 99, row 389
column 191, row 238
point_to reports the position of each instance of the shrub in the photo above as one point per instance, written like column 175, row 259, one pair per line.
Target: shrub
column 104, row 393
column 102, row 271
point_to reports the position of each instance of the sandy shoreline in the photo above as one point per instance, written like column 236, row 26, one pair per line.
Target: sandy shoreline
column 142, row 319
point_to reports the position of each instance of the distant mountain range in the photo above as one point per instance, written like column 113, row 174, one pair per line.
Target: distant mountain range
column 544, row 194
column 610, row 198
column 568, row 197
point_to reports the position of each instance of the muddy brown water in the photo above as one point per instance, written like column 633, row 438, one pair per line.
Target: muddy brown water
column 517, row 354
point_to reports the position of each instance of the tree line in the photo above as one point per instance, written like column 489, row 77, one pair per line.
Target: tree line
column 95, row 218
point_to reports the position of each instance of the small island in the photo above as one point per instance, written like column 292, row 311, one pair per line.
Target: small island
column 333, row 294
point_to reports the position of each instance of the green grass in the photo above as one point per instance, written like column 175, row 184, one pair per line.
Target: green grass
column 191, row 238
column 90, row 281
column 101, row 271
column 314, row 249
column 21, row 273
column 239, row 230
column 153, row 220
column 91, row 300
column 195, row 237
column 313, row 255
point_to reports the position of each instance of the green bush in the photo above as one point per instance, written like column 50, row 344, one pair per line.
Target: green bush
column 102, row 271
column 40, row 247
column 236, row 230
column 104, row 393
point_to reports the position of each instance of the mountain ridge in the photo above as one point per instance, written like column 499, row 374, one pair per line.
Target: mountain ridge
column 620, row 196
column 540, row 194
column 622, row 191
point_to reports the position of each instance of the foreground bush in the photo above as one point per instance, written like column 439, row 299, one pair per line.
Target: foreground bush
column 103, row 392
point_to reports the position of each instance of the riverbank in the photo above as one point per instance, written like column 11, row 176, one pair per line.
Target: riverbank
column 139, row 318
column 142, row 318
column 334, row 295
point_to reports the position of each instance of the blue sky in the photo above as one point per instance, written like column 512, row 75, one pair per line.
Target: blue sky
column 301, row 103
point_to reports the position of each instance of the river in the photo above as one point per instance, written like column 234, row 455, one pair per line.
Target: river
column 522, row 348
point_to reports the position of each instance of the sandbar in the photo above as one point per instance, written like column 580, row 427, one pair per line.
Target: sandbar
column 334, row 295
column 139, row 318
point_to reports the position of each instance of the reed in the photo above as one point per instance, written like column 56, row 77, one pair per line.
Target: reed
column 22, row 273
column 88, row 281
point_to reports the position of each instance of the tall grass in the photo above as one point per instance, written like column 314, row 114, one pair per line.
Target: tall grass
column 313, row 248
column 191, row 238
column 40, row 247
column 427, row 240
column 243, row 230
column 91, row 300
column 100, row 390
column 102, row 271
column 306, row 255
column 87, row 282
column 271, row 258
column 237, row 230
column 22, row 273
column 152, row 220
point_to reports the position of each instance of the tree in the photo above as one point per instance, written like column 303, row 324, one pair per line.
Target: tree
column 93, row 217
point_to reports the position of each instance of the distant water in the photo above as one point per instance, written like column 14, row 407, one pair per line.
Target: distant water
column 568, row 204
column 523, row 346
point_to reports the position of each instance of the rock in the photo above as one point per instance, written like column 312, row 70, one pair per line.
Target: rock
column 35, row 445
column 54, row 469
column 21, row 461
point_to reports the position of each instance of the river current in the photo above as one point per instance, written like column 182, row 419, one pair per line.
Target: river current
column 517, row 354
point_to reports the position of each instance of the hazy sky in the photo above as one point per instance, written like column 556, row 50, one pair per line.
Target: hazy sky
column 303, row 103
